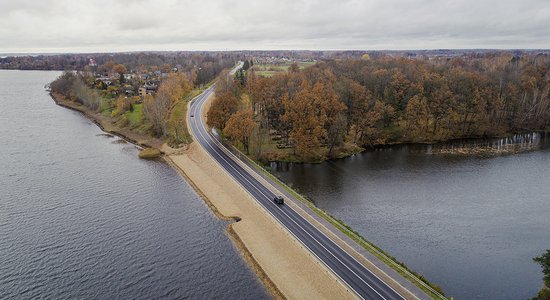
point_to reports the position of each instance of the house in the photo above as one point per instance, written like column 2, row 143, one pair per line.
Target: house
column 106, row 80
column 149, row 88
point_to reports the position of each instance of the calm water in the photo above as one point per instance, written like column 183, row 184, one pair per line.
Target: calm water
column 81, row 217
column 470, row 224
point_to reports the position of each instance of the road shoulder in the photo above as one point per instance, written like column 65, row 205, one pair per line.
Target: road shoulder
column 285, row 267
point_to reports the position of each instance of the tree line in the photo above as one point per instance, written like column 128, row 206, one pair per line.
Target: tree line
column 161, row 114
column 335, row 104
column 204, row 66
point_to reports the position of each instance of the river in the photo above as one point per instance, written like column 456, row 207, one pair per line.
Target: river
column 470, row 224
column 81, row 217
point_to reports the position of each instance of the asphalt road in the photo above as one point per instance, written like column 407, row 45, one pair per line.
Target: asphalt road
column 358, row 278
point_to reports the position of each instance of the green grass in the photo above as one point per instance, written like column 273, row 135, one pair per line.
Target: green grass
column 135, row 117
column 177, row 127
column 266, row 73
column 398, row 266
column 268, row 70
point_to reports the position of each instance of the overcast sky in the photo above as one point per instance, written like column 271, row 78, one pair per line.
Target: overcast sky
column 132, row 25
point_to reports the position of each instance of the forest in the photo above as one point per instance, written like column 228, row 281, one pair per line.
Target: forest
column 337, row 107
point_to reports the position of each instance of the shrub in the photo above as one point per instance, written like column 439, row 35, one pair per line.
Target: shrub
column 149, row 153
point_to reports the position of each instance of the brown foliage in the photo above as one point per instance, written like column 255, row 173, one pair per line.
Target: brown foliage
column 223, row 107
column 157, row 109
column 123, row 104
column 382, row 100
column 240, row 127
column 119, row 69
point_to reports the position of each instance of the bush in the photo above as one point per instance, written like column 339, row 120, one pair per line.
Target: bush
column 544, row 294
column 544, row 262
column 149, row 153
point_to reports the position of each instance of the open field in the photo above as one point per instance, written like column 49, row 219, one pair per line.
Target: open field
column 268, row 70
column 136, row 116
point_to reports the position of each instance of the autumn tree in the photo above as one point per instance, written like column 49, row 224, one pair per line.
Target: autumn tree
column 120, row 69
column 157, row 109
column 417, row 117
column 371, row 125
column 223, row 107
column 165, row 68
column 240, row 127
column 123, row 104
column 313, row 112
column 107, row 66
column 63, row 84
column 294, row 68
column 384, row 99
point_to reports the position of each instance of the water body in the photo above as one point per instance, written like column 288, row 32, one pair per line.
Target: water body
column 81, row 217
column 471, row 224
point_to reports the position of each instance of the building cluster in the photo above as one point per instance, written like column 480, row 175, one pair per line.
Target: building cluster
column 134, row 84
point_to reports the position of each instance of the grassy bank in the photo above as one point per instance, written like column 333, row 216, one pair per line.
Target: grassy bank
column 160, row 117
column 109, row 124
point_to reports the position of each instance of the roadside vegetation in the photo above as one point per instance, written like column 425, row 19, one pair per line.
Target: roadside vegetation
column 233, row 118
column 161, row 115
column 150, row 100
column 420, row 281
column 339, row 107
column 336, row 108
column 149, row 153
column 544, row 262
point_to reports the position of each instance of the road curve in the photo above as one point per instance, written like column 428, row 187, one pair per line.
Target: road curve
column 355, row 275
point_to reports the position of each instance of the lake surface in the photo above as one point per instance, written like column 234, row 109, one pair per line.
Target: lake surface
column 81, row 217
column 469, row 224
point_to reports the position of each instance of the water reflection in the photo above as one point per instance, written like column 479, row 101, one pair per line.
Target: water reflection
column 454, row 218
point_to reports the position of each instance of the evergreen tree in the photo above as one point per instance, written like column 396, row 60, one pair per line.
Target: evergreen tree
column 246, row 65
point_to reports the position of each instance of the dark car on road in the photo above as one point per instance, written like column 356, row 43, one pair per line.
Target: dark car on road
column 279, row 200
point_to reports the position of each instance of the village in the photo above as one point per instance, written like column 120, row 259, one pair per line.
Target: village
column 116, row 80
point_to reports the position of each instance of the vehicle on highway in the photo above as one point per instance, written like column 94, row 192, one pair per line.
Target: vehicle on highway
column 192, row 115
column 279, row 200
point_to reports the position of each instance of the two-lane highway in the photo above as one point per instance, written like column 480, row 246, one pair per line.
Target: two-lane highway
column 354, row 274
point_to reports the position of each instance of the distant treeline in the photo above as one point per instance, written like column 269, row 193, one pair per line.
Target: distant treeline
column 161, row 113
column 366, row 102
column 207, row 65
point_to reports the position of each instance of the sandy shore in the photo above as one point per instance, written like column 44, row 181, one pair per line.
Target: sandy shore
column 282, row 264
column 287, row 269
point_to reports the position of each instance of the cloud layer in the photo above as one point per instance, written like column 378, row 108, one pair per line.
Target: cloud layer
column 128, row 25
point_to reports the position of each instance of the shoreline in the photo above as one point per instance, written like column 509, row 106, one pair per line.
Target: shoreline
column 280, row 263
column 475, row 150
column 107, row 125
column 233, row 236
column 237, row 242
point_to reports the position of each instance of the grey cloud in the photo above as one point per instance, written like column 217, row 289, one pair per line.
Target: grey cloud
column 102, row 25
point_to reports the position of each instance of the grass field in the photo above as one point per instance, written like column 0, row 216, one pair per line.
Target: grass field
column 135, row 117
column 268, row 70
column 177, row 127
